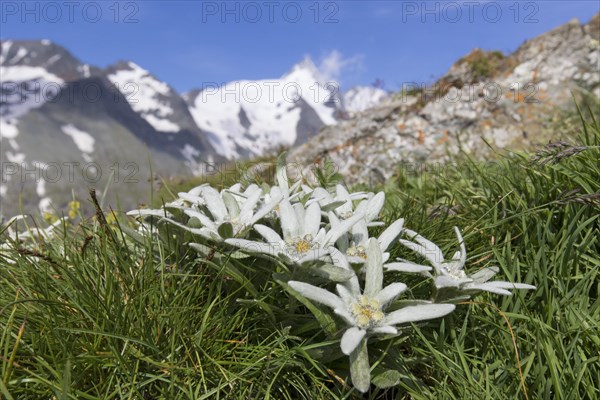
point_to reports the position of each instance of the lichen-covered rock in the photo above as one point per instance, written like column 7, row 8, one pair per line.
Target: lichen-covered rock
column 506, row 101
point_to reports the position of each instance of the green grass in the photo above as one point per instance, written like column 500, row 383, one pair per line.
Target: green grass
column 94, row 314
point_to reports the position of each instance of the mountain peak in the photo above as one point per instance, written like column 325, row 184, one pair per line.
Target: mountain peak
column 44, row 55
column 305, row 67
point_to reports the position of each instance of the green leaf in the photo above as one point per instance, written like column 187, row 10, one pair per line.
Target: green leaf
column 202, row 249
column 387, row 379
column 134, row 235
column 327, row 322
column 226, row 230
column 238, row 255
column 194, row 223
column 331, row 272
column 332, row 206
column 236, row 275
column 360, row 371
column 231, row 203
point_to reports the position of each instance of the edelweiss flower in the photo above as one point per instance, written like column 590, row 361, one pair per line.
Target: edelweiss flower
column 190, row 198
column 303, row 238
column 32, row 232
column 220, row 215
column 364, row 312
column 281, row 176
column 233, row 208
column 354, row 245
column 343, row 206
column 450, row 273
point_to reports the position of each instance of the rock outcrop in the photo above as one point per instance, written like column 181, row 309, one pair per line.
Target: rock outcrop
column 506, row 101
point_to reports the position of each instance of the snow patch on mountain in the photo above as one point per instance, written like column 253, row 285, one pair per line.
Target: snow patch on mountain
column 40, row 188
column 16, row 158
column 142, row 91
column 83, row 140
column 4, row 48
column 85, row 70
column 255, row 117
column 22, row 89
column 162, row 125
column 21, row 53
column 8, row 129
column 20, row 73
column 361, row 98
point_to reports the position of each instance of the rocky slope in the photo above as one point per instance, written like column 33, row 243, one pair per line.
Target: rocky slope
column 507, row 101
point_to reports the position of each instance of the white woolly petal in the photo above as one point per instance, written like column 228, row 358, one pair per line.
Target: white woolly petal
column 391, row 233
column 508, row 285
column 250, row 203
column 341, row 228
column 300, row 217
column 345, row 315
column 269, row 234
column 360, row 233
column 406, row 267
column 317, row 294
column 282, row 178
column 390, row 292
column 463, row 250
column 427, row 248
column 267, row 208
column 343, row 195
column 418, row 313
column 346, row 293
column 385, row 329
column 351, row 339
column 374, row 272
column 484, row 274
column 194, row 199
column 339, row 260
column 287, row 218
column 355, row 259
column 254, row 247
column 374, row 206
column 444, row 281
column 144, row 212
column 486, row 287
column 314, row 254
column 312, row 221
column 197, row 190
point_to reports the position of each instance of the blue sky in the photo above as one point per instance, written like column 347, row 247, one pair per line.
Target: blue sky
column 188, row 43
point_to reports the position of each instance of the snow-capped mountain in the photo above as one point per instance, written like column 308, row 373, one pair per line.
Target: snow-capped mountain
column 251, row 118
column 31, row 73
column 57, row 111
column 66, row 125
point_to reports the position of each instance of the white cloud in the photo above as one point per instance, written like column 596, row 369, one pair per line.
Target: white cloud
column 334, row 64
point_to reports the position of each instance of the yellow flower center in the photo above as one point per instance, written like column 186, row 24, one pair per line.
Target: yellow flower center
column 302, row 246
column 345, row 215
column 357, row 251
column 367, row 312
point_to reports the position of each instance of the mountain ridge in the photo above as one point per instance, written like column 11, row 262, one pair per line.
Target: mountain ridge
column 55, row 109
